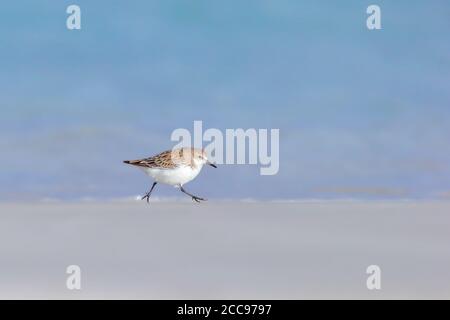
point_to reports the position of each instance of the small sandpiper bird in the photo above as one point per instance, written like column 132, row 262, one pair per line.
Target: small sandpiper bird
column 173, row 167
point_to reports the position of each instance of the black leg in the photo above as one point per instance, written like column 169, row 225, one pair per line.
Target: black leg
column 194, row 198
column 147, row 195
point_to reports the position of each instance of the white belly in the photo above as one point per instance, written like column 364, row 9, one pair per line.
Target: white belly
column 177, row 176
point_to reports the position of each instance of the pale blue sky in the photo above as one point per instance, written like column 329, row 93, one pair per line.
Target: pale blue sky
column 362, row 114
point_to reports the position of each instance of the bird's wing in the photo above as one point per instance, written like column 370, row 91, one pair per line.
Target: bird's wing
column 163, row 160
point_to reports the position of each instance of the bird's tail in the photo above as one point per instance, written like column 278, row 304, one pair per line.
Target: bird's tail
column 133, row 162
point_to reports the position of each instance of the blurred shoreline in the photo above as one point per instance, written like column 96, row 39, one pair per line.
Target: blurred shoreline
column 168, row 200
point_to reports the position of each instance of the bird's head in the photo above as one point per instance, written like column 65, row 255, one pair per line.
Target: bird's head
column 200, row 158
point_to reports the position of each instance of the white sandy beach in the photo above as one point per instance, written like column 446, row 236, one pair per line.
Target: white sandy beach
column 230, row 250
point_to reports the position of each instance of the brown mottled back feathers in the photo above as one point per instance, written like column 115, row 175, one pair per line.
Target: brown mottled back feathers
column 166, row 160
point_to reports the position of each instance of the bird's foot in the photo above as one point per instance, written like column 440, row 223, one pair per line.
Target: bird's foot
column 147, row 196
column 197, row 199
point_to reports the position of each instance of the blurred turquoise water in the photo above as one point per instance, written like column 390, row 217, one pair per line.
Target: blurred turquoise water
column 361, row 113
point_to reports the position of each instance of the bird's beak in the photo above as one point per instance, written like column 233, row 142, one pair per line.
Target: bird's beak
column 211, row 164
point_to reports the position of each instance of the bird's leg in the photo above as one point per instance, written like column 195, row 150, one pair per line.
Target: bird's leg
column 194, row 198
column 147, row 195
